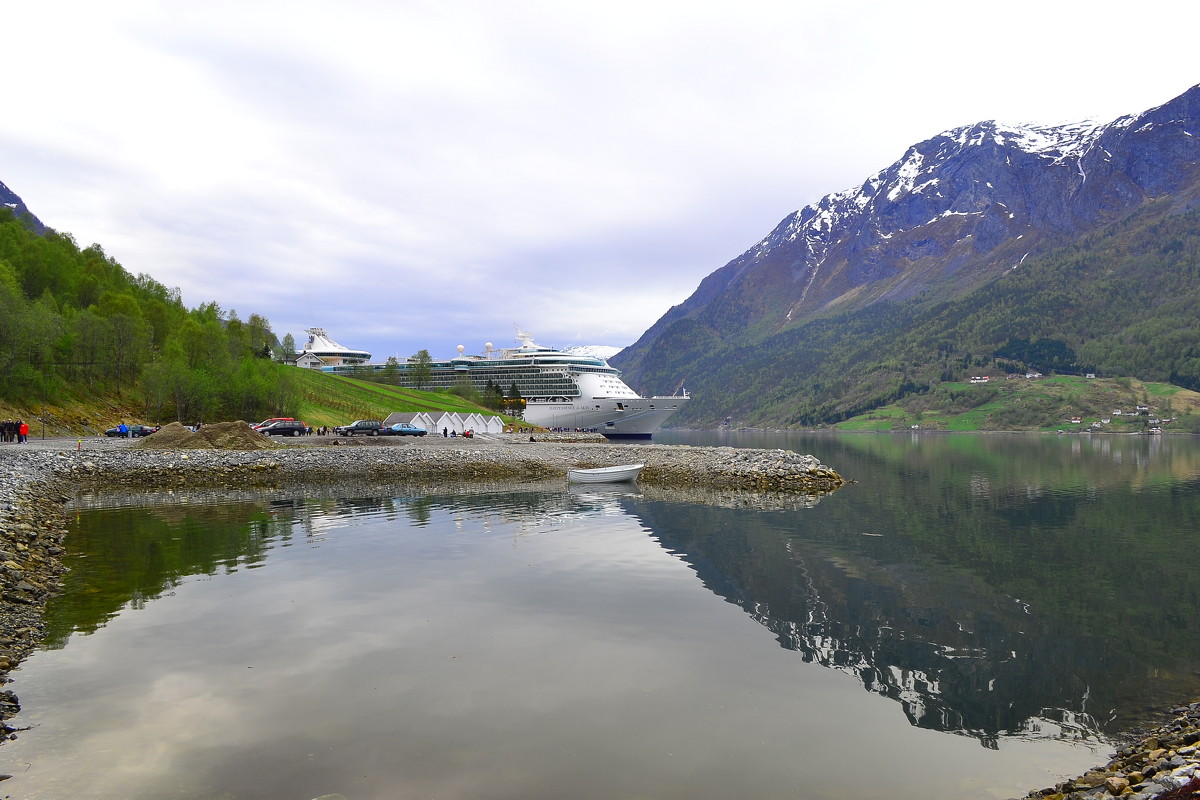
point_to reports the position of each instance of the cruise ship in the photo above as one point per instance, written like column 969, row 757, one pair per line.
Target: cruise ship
column 560, row 389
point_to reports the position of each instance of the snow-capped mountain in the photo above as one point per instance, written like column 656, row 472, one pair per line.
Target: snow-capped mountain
column 954, row 212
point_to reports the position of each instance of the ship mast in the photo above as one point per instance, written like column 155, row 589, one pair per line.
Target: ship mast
column 526, row 339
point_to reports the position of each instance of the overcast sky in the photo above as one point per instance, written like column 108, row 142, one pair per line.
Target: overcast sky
column 416, row 175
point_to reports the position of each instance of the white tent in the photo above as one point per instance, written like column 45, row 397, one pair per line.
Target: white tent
column 446, row 420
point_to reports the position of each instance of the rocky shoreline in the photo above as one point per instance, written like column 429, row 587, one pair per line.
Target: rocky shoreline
column 1163, row 763
column 38, row 479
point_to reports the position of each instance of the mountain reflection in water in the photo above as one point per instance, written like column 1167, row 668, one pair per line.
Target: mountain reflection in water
column 995, row 585
column 955, row 654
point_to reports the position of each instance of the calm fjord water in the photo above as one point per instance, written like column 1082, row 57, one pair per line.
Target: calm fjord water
column 973, row 618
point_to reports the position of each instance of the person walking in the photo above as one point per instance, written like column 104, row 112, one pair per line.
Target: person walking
column 22, row 431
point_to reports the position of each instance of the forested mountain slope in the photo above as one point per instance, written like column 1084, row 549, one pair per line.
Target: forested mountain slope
column 1123, row 301
column 72, row 316
column 90, row 344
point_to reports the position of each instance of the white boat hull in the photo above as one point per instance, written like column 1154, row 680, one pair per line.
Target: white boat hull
column 624, row 472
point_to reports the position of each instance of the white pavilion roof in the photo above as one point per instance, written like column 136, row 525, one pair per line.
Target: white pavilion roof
column 320, row 343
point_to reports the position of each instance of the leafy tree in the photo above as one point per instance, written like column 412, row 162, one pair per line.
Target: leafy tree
column 287, row 349
column 465, row 388
column 391, row 370
column 261, row 339
column 421, row 371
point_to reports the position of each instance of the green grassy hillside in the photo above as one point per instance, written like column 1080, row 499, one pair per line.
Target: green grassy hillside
column 335, row 400
column 318, row 399
column 1042, row 404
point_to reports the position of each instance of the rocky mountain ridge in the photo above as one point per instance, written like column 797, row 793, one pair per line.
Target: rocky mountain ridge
column 955, row 212
column 10, row 199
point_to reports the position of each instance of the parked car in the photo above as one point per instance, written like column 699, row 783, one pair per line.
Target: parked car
column 285, row 427
column 271, row 421
column 134, row 430
column 367, row 426
column 402, row 429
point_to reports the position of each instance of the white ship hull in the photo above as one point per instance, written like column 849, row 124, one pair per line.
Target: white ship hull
column 615, row 417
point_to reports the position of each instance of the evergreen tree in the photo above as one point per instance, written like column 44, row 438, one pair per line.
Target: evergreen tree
column 493, row 398
column 514, row 403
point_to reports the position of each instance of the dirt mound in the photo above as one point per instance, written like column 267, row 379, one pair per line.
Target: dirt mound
column 215, row 436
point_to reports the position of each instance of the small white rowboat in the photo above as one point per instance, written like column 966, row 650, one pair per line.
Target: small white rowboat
column 625, row 472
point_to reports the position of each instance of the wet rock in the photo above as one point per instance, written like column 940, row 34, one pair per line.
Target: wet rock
column 1162, row 763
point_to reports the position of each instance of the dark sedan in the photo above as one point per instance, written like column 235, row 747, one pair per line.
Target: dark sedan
column 134, row 431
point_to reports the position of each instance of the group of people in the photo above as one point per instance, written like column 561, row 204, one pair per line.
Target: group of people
column 14, row 430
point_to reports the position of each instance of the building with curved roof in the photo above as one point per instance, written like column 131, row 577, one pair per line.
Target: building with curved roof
column 321, row 351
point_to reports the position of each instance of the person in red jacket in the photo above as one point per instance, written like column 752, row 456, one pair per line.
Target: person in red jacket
column 22, row 431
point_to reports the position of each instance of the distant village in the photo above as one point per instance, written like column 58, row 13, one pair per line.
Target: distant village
column 1138, row 411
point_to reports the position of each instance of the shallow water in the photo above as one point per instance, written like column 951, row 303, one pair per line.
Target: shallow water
column 973, row 618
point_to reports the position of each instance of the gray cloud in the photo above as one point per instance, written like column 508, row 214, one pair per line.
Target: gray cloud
column 419, row 175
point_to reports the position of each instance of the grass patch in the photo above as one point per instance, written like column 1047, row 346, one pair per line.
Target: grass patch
column 77, row 409
column 337, row 400
column 1046, row 404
